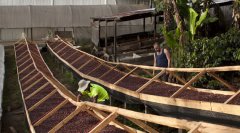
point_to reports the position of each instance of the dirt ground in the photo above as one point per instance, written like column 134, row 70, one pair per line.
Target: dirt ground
column 13, row 118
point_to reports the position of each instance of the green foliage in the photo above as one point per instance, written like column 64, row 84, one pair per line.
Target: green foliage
column 219, row 51
column 193, row 22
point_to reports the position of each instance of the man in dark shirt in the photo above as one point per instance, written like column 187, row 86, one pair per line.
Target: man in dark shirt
column 161, row 57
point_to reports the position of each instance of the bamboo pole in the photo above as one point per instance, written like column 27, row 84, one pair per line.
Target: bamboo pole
column 224, row 82
column 151, row 80
column 104, row 123
column 188, row 83
column 67, row 119
column 49, row 114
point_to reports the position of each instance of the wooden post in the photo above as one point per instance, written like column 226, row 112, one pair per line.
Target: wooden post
column 104, row 123
column 99, row 31
column 115, row 42
column 188, row 83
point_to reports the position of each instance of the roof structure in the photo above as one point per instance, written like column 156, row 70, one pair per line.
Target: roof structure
column 131, row 15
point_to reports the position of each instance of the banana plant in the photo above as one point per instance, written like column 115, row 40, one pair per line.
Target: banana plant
column 193, row 22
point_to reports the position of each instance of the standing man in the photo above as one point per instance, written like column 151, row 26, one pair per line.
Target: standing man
column 161, row 57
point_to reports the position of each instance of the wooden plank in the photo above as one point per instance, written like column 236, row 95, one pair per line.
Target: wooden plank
column 25, row 62
column 42, row 100
column 188, row 84
column 34, row 83
column 22, row 58
column 232, row 97
column 61, row 49
column 195, row 129
column 182, row 80
column 19, row 56
column 143, row 125
column 26, row 82
column 57, row 46
column 83, row 65
column 126, row 75
column 74, row 61
column 104, row 123
column 28, row 75
column 224, row 82
column 151, row 80
column 49, row 114
column 103, row 115
column 25, row 68
column 95, row 68
column 71, row 55
column 108, row 71
column 36, row 91
column 67, row 119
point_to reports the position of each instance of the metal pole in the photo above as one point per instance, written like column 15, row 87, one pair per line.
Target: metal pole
column 155, row 27
column 106, row 36
column 144, row 24
column 99, row 31
column 115, row 41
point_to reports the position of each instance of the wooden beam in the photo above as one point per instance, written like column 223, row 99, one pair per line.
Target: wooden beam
column 83, row 65
column 19, row 56
column 36, row 91
column 25, row 68
column 104, row 115
column 188, row 83
column 151, row 80
column 42, row 100
column 22, row 58
column 195, row 129
column 30, row 79
column 95, row 68
column 67, row 119
column 28, row 75
column 126, row 75
column 224, row 82
column 49, row 114
column 232, row 97
column 34, row 83
column 24, row 62
column 61, row 49
column 104, row 123
column 74, row 61
column 71, row 55
column 143, row 125
column 108, row 71
column 182, row 80
column 57, row 46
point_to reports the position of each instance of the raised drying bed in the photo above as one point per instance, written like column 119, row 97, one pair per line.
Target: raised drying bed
column 219, row 106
